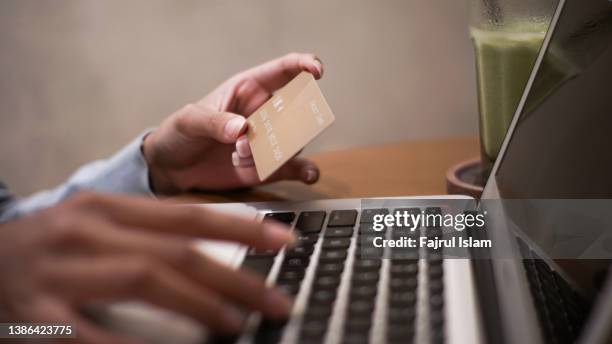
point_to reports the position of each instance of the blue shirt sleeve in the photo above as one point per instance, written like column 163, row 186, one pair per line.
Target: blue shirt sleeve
column 125, row 172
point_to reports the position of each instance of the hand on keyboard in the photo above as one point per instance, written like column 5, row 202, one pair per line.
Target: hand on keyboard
column 101, row 248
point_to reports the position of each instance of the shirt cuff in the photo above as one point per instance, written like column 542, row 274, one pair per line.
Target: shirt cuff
column 125, row 172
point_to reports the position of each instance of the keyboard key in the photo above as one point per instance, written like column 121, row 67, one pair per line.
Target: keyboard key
column 405, row 318
column 253, row 252
column 325, row 268
column 358, row 324
column 436, row 320
column 304, row 239
column 404, row 254
column 290, row 275
column 308, row 340
column 435, row 271
column 370, row 252
column 436, row 325
column 269, row 331
column 360, row 292
column 436, row 301
column 295, row 263
column 403, row 299
column 283, row 282
column 299, row 251
column 339, row 232
column 285, row 217
column 368, row 229
column 367, row 240
column 361, row 307
column 314, row 329
column 434, row 257
column 260, row 265
column 437, row 337
column 365, row 265
column 433, row 210
column 318, row 311
column 355, row 338
column 322, row 296
column 334, row 256
column 397, row 314
column 336, row 243
column 326, row 282
column 289, row 289
column 402, row 233
column 403, row 284
column 436, row 286
column 364, row 278
column 400, row 269
column 310, row 221
column 367, row 215
column 400, row 333
column 433, row 233
column 403, row 262
column 357, row 329
column 342, row 218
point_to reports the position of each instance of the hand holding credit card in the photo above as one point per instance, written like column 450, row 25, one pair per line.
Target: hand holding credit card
column 287, row 122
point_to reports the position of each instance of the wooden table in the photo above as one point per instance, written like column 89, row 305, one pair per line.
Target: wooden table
column 397, row 169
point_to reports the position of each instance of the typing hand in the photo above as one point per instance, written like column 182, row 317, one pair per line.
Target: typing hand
column 94, row 248
column 203, row 145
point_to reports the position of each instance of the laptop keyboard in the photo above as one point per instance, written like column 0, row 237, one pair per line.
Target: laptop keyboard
column 561, row 310
column 343, row 230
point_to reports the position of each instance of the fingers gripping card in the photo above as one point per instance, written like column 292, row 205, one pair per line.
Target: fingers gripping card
column 286, row 123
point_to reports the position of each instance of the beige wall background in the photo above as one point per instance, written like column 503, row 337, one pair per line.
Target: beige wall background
column 79, row 79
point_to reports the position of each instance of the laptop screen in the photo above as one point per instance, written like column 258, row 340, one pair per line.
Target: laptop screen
column 561, row 146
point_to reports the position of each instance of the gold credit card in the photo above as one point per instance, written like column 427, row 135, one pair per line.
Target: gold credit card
column 287, row 122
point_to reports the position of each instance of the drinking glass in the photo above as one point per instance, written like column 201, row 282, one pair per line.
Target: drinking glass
column 507, row 36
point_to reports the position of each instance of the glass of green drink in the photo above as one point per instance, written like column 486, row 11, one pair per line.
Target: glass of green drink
column 507, row 36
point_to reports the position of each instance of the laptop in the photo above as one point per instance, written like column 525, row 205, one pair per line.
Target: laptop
column 526, row 288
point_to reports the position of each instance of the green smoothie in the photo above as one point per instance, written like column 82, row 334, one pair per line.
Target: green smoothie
column 504, row 58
